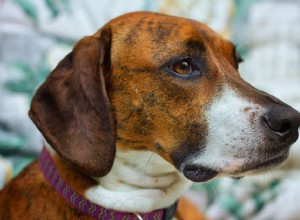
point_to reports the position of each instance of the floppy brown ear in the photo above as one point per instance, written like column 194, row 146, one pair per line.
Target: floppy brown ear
column 72, row 109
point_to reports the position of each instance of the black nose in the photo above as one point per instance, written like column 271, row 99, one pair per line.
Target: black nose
column 284, row 121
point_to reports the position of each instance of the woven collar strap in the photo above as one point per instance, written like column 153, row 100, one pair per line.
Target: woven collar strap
column 50, row 172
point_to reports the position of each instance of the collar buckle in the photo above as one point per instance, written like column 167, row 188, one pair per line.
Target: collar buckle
column 138, row 216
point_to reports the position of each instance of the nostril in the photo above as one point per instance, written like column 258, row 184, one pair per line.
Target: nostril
column 283, row 121
column 285, row 127
column 280, row 126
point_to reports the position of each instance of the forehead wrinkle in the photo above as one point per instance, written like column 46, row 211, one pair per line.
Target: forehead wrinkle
column 186, row 42
column 216, row 41
column 214, row 60
column 204, row 38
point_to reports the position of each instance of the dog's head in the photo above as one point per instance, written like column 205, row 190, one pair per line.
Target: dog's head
column 165, row 84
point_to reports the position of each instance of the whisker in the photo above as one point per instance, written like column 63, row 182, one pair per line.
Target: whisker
column 145, row 170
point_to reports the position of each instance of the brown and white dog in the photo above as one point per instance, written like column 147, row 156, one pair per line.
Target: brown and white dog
column 138, row 111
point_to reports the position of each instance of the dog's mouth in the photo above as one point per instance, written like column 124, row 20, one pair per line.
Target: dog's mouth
column 199, row 173
column 265, row 165
column 260, row 166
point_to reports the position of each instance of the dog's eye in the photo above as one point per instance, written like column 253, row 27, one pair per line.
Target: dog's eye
column 182, row 67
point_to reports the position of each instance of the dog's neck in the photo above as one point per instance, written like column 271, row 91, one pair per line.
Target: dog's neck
column 139, row 181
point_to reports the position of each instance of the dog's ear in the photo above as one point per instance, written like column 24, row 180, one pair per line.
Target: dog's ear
column 72, row 108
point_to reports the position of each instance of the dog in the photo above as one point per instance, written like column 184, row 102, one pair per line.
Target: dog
column 137, row 112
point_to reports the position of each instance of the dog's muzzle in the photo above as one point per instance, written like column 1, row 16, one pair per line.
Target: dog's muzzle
column 279, row 126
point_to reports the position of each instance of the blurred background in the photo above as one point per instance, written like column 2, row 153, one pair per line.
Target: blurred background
column 36, row 34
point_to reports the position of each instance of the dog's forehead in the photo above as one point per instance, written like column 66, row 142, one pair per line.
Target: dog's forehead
column 140, row 28
column 157, row 36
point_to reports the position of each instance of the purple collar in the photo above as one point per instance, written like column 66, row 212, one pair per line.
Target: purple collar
column 50, row 172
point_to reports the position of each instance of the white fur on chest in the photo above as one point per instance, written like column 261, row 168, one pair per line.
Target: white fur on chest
column 139, row 181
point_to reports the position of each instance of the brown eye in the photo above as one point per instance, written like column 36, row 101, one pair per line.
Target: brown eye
column 182, row 67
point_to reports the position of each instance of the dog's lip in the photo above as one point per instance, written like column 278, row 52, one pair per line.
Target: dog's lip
column 263, row 165
column 197, row 173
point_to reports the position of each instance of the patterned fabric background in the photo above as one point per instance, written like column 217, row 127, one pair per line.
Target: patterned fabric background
column 36, row 34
